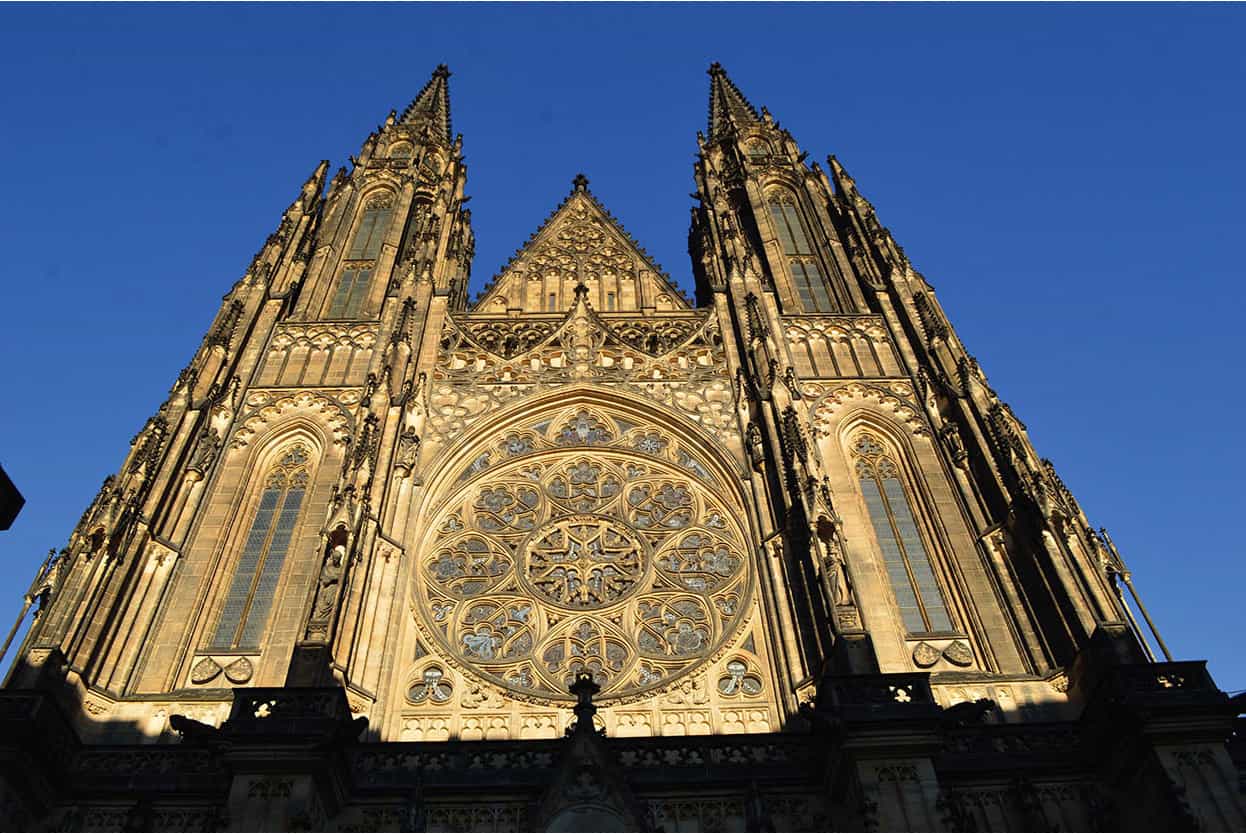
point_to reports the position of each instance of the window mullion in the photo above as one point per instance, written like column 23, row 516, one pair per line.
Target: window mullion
column 259, row 564
column 904, row 554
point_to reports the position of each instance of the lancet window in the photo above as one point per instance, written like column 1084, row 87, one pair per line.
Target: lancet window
column 254, row 585
column 356, row 280
column 351, row 293
column 802, row 261
column 904, row 553
column 372, row 229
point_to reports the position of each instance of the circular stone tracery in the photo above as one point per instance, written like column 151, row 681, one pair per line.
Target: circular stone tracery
column 584, row 549
column 584, row 562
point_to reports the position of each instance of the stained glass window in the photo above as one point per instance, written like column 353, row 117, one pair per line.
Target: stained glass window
column 904, row 553
column 371, row 231
column 810, row 284
column 254, row 585
column 352, row 292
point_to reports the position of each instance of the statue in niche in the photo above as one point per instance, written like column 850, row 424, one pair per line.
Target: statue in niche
column 205, row 454
column 408, row 449
column 330, row 578
column 756, row 449
column 837, row 572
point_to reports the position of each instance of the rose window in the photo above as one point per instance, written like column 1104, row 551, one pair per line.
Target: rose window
column 584, row 562
column 593, row 544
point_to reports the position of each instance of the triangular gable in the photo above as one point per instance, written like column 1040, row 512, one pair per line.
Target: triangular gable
column 581, row 242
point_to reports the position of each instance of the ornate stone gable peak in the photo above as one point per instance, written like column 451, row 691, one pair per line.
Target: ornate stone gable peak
column 581, row 243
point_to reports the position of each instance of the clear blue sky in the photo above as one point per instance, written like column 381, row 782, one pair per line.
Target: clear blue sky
column 1069, row 177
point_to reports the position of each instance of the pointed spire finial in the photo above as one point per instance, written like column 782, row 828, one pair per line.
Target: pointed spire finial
column 729, row 108
column 580, row 183
column 431, row 105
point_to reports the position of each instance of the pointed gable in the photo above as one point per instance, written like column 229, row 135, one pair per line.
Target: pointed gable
column 581, row 242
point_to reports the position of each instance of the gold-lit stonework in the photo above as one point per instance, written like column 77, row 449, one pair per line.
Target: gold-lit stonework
column 586, row 542
column 585, row 553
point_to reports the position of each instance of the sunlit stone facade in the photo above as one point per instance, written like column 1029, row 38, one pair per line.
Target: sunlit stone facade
column 800, row 565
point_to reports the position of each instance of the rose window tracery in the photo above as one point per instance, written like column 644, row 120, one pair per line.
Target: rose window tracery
column 584, row 562
column 589, row 545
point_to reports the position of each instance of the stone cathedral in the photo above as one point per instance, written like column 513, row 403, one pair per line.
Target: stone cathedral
column 584, row 553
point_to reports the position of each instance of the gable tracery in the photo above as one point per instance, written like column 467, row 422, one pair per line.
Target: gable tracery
column 486, row 362
column 264, row 408
column 893, row 398
column 581, row 244
column 584, row 541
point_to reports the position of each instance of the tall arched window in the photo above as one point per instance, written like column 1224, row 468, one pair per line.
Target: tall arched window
column 801, row 260
column 904, row 554
column 372, row 229
column 352, row 292
column 356, row 281
column 254, row 585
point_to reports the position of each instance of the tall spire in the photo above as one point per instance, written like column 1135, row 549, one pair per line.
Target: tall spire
column 432, row 104
column 728, row 107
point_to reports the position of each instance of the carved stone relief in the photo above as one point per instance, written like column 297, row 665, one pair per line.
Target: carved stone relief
column 896, row 398
column 327, row 407
column 586, row 542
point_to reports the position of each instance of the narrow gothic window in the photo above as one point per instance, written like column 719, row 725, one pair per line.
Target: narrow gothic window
column 904, row 554
column 254, row 585
column 371, row 231
column 801, row 260
column 352, row 292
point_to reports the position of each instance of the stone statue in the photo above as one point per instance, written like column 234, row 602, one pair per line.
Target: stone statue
column 330, row 577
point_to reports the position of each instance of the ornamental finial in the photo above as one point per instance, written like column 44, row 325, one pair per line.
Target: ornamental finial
column 584, row 689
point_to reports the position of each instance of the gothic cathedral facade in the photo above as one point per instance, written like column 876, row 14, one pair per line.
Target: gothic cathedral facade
column 779, row 554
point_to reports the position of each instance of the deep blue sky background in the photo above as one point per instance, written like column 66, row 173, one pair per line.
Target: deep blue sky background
column 1069, row 177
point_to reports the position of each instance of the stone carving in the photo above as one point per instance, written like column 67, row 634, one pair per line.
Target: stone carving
column 739, row 680
column 594, row 544
column 432, row 687
column 480, row 696
column 958, row 653
column 837, row 573
column 691, row 691
column 894, row 399
column 584, row 562
column 240, row 671
column 509, row 337
column 925, row 655
column 267, row 409
column 691, row 376
column 408, row 451
column 205, row 453
column 327, row 585
column 204, row 671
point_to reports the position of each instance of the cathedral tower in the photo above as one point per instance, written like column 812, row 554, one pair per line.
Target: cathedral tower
column 924, row 529
column 792, row 518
